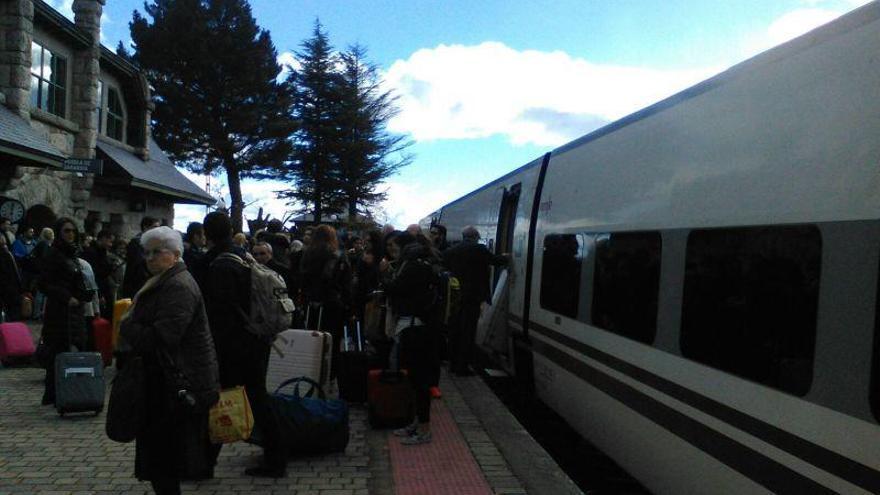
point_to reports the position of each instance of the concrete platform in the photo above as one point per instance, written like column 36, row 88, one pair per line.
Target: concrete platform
column 478, row 448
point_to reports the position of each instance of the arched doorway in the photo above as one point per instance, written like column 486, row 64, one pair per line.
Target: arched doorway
column 39, row 217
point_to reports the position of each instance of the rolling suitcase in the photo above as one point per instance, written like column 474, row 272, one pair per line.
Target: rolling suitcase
column 390, row 401
column 297, row 353
column 16, row 343
column 102, row 336
column 353, row 367
column 79, row 379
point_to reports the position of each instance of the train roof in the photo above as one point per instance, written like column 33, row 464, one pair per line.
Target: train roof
column 846, row 23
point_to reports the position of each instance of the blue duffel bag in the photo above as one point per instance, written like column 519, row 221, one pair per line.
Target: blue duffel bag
column 310, row 423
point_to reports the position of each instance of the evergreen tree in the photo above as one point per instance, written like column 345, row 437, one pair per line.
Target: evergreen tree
column 315, row 143
column 218, row 104
column 368, row 154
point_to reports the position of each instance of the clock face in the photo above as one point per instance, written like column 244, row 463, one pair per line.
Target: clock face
column 12, row 209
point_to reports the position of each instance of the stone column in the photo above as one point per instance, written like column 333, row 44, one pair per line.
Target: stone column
column 86, row 73
column 16, row 33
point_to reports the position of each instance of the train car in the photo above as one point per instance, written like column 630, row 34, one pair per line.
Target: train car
column 694, row 288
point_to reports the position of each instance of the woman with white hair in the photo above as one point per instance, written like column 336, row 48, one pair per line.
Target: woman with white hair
column 168, row 328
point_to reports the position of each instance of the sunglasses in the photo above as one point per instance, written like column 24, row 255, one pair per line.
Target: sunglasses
column 67, row 231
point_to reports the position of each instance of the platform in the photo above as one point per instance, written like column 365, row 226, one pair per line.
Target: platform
column 41, row 453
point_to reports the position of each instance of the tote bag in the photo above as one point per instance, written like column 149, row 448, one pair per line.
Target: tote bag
column 231, row 419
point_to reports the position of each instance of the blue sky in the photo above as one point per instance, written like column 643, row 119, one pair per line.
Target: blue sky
column 487, row 85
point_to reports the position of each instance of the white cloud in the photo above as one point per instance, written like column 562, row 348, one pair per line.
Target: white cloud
column 409, row 202
column 546, row 98
column 65, row 7
column 255, row 194
column 799, row 21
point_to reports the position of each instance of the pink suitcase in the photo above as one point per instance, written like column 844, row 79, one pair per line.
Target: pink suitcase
column 16, row 342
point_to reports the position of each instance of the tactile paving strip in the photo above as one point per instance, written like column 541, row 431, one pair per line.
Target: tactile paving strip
column 444, row 466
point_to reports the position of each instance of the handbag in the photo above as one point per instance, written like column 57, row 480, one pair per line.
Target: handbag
column 309, row 423
column 127, row 401
column 231, row 419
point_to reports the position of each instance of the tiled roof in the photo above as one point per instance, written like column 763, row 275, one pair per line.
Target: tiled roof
column 16, row 133
column 159, row 173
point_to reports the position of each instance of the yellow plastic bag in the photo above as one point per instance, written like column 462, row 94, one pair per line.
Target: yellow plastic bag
column 231, row 419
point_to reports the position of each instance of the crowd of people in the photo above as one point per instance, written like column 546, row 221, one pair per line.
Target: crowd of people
column 191, row 302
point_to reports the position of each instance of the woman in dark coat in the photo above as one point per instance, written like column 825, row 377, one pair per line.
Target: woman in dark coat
column 63, row 283
column 326, row 282
column 168, row 328
column 411, row 290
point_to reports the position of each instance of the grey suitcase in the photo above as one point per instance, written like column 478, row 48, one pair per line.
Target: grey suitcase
column 79, row 376
column 79, row 382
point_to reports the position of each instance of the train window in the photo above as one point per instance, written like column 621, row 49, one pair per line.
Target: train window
column 750, row 302
column 626, row 284
column 875, row 361
column 561, row 273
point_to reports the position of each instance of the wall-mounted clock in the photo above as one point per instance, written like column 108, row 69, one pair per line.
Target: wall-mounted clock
column 11, row 209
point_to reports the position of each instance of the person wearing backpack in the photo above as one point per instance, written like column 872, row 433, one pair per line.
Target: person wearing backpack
column 412, row 290
column 242, row 355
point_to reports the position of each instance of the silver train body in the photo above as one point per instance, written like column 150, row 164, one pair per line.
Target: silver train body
column 756, row 194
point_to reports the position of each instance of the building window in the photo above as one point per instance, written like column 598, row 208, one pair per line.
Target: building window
column 561, row 273
column 100, row 107
column 48, row 80
column 115, row 116
column 626, row 283
column 750, row 302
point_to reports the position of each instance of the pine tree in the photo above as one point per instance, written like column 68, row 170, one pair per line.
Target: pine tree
column 218, row 103
column 316, row 102
column 368, row 154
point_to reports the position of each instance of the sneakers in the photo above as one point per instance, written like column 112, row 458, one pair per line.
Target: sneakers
column 436, row 393
column 406, row 431
column 417, row 438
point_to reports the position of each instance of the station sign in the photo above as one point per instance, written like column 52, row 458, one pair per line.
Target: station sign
column 83, row 165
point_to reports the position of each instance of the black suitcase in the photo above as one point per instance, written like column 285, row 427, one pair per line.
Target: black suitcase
column 79, row 382
column 79, row 377
column 353, row 367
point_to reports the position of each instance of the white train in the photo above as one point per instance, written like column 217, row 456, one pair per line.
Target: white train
column 695, row 287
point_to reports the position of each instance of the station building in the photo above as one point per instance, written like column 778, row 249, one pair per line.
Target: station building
column 65, row 96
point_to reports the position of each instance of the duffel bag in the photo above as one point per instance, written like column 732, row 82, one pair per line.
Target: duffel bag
column 310, row 423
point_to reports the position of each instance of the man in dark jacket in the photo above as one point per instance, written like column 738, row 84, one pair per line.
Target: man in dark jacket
column 469, row 261
column 96, row 255
column 225, row 280
column 135, row 267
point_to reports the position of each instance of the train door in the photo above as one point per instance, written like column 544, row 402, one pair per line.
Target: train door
column 493, row 328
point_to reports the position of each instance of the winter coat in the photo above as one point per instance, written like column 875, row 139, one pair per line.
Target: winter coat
column 227, row 288
column 411, row 286
column 326, row 279
column 470, row 261
column 102, row 267
column 62, row 278
column 10, row 282
column 136, row 273
column 168, row 327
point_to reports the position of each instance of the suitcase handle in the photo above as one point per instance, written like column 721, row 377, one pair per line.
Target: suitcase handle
column 79, row 371
column 302, row 379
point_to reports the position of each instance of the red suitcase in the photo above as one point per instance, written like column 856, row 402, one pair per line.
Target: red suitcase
column 390, row 402
column 102, row 331
column 16, row 342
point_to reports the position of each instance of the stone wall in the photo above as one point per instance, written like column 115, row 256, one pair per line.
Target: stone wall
column 16, row 27
column 114, row 213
